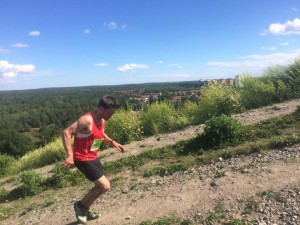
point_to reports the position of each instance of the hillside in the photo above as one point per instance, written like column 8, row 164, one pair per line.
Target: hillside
column 261, row 187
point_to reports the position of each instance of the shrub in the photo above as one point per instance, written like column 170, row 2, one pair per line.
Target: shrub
column 5, row 161
column 296, row 114
column 31, row 183
column 216, row 100
column 124, row 126
column 256, row 93
column 222, row 130
column 49, row 154
column 3, row 194
column 161, row 118
column 14, row 143
column 63, row 177
column 191, row 111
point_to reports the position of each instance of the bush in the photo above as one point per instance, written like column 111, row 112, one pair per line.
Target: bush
column 49, row 154
column 124, row 126
column 222, row 130
column 3, row 194
column 296, row 114
column 216, row 100
column 64, row 177
column 15, row 144
column 191, row 111
column 256, row 92
column 5, row 161
column 31, row 183
column 161, row 118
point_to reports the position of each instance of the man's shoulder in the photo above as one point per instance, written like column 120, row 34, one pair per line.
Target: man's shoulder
column 86, row 118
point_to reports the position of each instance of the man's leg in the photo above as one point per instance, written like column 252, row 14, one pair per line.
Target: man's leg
column 102, row 185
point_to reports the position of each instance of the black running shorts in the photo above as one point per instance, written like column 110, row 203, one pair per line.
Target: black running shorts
column 92, row 170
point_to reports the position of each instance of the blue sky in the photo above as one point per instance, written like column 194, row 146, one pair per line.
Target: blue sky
column 66, row 43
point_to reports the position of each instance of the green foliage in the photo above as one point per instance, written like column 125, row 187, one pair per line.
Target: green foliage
column 296, row 114
column 3, row 194
column 162, row 221
column 31, row 183
column 166, row 221
column 64, row 177
column 51, row 153
column 15, row 144
column 222, row 130
column 5, row 161
column 191, row 111
column 251, row 205
column 5, row 212
column 271, row 195
column 124, row 126
column 161, row 118
column 292, row 73
column 50, row 201
column 146, row 222
column 48, row 133
column 215, row 100
column 167, row 170
column 255, row 92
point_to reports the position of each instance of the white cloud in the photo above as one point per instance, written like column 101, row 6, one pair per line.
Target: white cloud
column 20, row 45
column 269, row 48
column 176, row 65
column 2, row 50
column 264, row 33
column 290, row 27
column 34, row 33
column 284, row 43
column 171, row 75
column 132, row 67
column 8, row 70
column 111, row 25
column 123, row 27
column 114, row 26
column 87, row 31
column 101, row 64
column 258, row 61
column 160, row 62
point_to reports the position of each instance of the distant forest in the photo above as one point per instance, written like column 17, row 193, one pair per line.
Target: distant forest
column 32, row 118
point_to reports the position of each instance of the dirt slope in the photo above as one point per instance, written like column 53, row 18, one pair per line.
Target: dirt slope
column 193, row 193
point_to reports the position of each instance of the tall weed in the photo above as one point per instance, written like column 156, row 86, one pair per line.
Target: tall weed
column 255, row 92
column 51, row 153
column 161, row 118
column 5, row 161
column 216, row 100
column 124, row 126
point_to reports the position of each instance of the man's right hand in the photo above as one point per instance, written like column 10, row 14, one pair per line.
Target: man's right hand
column 69, row 162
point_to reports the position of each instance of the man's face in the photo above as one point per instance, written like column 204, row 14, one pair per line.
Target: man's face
column 107, row 113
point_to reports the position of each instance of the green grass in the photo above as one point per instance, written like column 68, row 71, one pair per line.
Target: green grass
column 49, row 154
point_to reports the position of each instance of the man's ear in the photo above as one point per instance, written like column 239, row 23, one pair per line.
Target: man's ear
column 101, row 109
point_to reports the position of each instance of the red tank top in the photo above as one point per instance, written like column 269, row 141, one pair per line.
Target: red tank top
column 86, row 146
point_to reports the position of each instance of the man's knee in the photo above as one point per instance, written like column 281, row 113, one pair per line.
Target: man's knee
column 102, row 184
column 105, row 187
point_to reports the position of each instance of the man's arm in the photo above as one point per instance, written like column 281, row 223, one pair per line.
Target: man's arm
column 83, row 123
column 66, row 139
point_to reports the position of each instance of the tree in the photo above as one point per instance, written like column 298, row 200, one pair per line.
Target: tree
column 14, row 143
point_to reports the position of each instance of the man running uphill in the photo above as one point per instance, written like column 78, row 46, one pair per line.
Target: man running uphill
column 88, row 132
